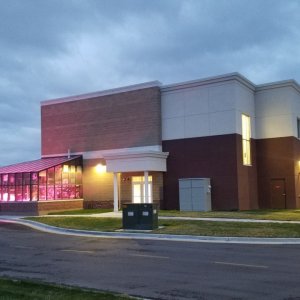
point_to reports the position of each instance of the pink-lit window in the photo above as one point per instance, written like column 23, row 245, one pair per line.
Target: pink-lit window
column 5, row 193
column 26, row 192
column 34, row 192
column 11, row 179
column 57, row 192
column 5, row 179
column 26, row 178
column 19, row 195
column 12, row 195
column 50, row 192
column 42, row 192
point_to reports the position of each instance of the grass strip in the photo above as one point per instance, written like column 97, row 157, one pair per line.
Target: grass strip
column 261, row 214
column 28, row 290
column 180, row 227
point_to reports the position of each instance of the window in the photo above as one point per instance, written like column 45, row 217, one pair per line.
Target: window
column 246, row 140
column 298, row 128
column 138, row 189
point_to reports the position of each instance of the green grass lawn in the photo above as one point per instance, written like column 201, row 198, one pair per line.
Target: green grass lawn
column 28, row 290
column 262, row 214
column 204, row 228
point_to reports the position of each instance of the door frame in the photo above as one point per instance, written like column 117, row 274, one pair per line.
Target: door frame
column 284, row 194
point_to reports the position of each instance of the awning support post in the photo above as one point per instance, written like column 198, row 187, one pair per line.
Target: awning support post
column 146, row 187
column 116, row 193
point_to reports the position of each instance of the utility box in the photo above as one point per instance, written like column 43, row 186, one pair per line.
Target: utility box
column 140, row 216
column 195, row 194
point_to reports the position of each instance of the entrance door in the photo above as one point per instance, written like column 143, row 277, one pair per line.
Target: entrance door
column 138, row 189
column 278, row 194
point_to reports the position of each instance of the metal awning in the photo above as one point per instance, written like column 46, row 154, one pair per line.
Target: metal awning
column 36, row 165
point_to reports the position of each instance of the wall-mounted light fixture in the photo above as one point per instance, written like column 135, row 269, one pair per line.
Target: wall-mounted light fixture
column 101, row 168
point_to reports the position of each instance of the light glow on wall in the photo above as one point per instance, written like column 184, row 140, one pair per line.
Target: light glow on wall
column 101, row 168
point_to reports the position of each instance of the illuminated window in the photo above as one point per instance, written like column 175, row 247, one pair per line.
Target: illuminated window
column 246, row 139
column 58, row 182
column 138, row 189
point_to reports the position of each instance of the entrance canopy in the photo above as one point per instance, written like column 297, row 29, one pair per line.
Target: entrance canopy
column 136, row 161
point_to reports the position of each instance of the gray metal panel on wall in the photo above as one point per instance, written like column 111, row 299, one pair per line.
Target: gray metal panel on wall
column 198, row 199
column 185, row 195
column 194, row 194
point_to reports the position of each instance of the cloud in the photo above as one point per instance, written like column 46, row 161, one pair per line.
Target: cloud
column 59, row 48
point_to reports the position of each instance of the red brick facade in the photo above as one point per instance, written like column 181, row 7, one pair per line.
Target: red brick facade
column 124, row 120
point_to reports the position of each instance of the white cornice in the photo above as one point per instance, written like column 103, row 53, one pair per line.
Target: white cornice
column 209, row 80
column 103, row 93
column 101, row 153
column 144, row 154
column 279, row 84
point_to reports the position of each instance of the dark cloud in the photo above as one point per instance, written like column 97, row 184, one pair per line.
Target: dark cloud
column 62, row 47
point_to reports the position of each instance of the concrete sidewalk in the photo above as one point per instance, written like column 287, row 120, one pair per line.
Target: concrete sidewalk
column 148, row 236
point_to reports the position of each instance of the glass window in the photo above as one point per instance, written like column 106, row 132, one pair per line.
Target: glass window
column 42, row 192
column 58, row 172
column 18, row 178
column 42, row 177
column 26, row 178
column 5, row 179
column 50, row 192
column 12, row 196
column 50, row 178
column 19, row 196
column 57, row 192
column 34, row 178
column 246, row 139
column 11, row 179
column 26, row 192
column 4, row 193
column 78, row 175
column 34, row 192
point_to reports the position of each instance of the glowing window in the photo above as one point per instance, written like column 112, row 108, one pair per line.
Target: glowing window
column 246, row 139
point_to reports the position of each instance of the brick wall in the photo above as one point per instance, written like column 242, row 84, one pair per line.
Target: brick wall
column 123, row 120
column 98, row 188
column 39, row 208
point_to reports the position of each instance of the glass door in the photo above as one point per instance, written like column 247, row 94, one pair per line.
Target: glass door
column 138, row 189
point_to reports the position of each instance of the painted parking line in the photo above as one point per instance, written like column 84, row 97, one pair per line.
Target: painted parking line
column 240, row 265
column 149, row 256
column 77, row 251
column 24, row 247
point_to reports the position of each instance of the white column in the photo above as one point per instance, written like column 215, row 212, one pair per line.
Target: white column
column 116, row 193
column 146, row 187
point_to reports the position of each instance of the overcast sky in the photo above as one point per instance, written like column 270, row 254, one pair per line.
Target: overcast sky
column 57, row 48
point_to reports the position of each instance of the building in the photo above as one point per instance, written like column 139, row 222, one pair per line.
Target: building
column 133, row 144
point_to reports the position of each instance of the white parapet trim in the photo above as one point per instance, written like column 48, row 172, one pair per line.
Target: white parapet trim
column 136, row 161
column 101, row 153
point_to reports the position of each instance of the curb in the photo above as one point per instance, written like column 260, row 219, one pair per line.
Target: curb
column 149, row 236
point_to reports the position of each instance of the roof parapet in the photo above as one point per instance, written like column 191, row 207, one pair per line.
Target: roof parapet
column 103, row 93
column 209, row 80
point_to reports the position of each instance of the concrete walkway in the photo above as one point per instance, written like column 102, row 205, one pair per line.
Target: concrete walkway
column 151, row 236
